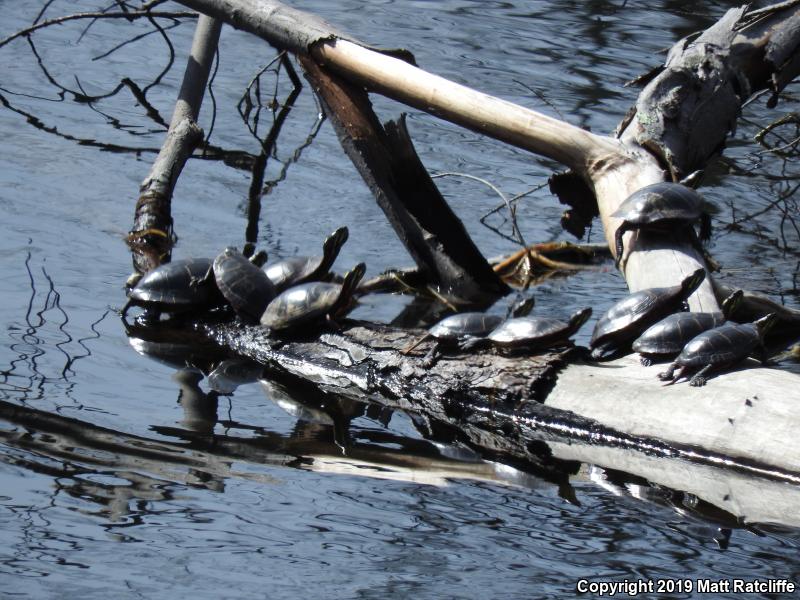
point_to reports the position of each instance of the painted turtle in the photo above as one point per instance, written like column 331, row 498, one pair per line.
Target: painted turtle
column 530, row 333
column 301, row 269
column 718, row 348
column 178, row 286
column 454, row 330
column 662, row 206
column 667, row 338
column 308, row 303
column 245, row 286
column 628, row 318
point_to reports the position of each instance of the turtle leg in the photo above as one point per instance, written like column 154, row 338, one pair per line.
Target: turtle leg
column 472, row 343
column 699, row 380
column 124, row 312
column 669, row 374
column 432, row 357
column 646, row 361
column 618, row 243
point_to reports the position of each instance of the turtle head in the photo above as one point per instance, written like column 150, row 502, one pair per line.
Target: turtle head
column 764, row 324
column 732, row 303
column 692, row 282
column 334, row 242
column 352, row 278
column 579, row 317
column 523, row 307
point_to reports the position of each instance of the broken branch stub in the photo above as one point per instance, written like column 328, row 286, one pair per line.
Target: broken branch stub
column 151, row 237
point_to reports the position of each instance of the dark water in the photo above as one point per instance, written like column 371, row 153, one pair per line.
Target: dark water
column 113, row 484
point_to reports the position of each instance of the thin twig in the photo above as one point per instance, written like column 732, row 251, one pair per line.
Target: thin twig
column 95, row 15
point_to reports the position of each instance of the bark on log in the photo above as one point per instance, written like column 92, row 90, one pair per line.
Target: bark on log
column 151, row 235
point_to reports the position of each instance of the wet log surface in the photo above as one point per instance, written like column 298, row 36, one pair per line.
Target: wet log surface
column 494, row 403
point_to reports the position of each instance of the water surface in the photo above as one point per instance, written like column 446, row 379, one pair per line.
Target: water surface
column 121, row 476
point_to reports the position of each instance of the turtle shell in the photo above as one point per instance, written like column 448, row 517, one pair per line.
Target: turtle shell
column 474, row 324
column 244, row 285
column 632, row 315
column 670, row 334
column 301, row 269
column 306, row 303
column 301, row 304
column 290, row 271
column 537, row 331
column 177, row 285
column 663, row 201
column 720, row 347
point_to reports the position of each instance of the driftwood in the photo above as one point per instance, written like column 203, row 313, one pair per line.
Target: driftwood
column 735, row 58
column 151, row 235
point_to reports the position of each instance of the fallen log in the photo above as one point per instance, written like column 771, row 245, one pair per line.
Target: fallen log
column 743, row 420
column 363, row 358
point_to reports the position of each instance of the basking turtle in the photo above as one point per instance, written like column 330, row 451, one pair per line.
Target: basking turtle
column 309, row 303
column 663, row 206
column 452, row 331
column 177, row 286
column 531, row 333
column 667, row 338
column 629, row 317
column 718, row 348
column 300, row 269
column 244, row 285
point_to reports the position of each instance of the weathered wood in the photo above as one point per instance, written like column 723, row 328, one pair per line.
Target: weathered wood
column 749, row 413
column 483, row 393
column 151, row 235
column 422, row 219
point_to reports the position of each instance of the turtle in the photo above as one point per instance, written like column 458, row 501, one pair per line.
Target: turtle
column 662, row 206
column 718, row 348
column 301, row 269
column 455, row 329
column 177, row 286
column 667, row 338
column 531, row 333
column 630, row 317
column 243, row 284
column 307, row 304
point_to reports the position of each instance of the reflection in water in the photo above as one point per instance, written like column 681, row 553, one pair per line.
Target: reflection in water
column 46, row 327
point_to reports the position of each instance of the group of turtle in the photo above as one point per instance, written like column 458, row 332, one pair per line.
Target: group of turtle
column 298, row 293
column 651, row 322
column 287, row 295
